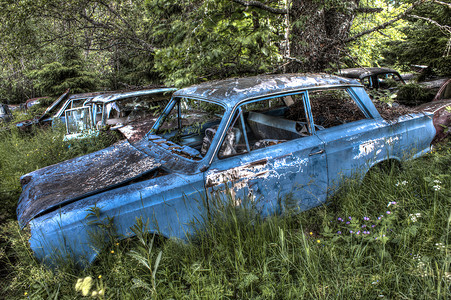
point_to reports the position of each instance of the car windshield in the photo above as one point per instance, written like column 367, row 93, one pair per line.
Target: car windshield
column 185, row 123
column 2, row 111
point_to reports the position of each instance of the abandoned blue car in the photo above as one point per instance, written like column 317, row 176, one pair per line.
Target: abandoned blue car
column 283, row 141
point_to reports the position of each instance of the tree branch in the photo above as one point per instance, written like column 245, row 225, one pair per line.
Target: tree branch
column 442, row 3
column 368, row 10
column 258, row 4
column 293, row 59
column 383, row 25
column 443, row 27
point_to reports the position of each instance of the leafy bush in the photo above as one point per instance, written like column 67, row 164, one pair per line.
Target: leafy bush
column 38, row 109
column 442, row 66
column 413, row 94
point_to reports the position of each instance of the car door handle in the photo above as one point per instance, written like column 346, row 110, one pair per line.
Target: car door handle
column 318, row 152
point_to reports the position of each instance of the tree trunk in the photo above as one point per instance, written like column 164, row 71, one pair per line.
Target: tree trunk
column 316, row 27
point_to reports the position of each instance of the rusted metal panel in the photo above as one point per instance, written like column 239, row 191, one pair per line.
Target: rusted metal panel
column 135, row 131
column 442, row 117
column 59, row 184
column 169, row 203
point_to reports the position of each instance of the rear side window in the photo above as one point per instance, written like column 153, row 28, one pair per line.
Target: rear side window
column 333, row 107
column 270, row 122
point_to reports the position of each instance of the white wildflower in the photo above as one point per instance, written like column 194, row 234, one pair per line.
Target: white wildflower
column 436, row 188
column 414, row 217
column 448, row 276
column 439, row 246
column 401, row 183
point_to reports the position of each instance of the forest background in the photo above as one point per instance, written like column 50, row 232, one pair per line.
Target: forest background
column 48, row 46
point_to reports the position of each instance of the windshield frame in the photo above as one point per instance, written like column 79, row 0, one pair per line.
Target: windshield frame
column 89, row 124
column 175, row 101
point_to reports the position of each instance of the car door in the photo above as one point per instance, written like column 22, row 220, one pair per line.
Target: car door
column 354, row 139
column 278, row 165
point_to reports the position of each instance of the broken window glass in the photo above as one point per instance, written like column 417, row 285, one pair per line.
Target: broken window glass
column 78, row 119
column 234, row 140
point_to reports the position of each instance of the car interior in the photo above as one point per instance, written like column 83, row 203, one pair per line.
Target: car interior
column 261, row 123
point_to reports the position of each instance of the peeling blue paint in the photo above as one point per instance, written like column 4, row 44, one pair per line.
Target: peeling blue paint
column 171, row 184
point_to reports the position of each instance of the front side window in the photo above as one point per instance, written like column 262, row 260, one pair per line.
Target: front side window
column 274, row 121
column 265, row 123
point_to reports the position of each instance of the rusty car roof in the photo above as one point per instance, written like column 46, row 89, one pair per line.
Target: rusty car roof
column 233, row 90
column 113, row 96
column 362, row 72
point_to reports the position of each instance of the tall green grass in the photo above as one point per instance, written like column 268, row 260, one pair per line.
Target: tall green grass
column 315, row 254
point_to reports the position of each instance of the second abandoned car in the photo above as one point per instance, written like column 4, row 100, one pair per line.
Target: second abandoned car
column 130, row 112
column 284, row 141
column 373, row 77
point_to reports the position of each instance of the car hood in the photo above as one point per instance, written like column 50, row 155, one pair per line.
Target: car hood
column 57, row 185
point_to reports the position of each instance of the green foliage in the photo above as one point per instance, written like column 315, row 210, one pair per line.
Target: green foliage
column 368, row 50
column 425, row 43
column 55, row 78
column 442, row 65
column 38, row 109
column 413, row 94
column 102, row 229
column 213, row 39
column 127, row 44
column 144, row 255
